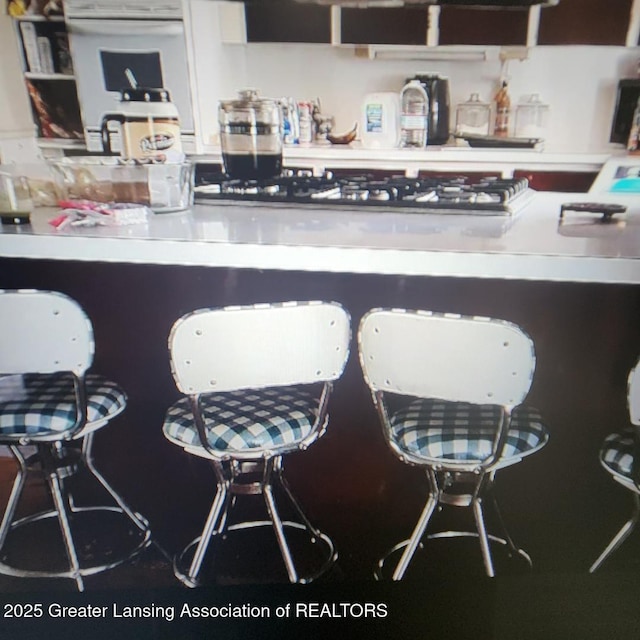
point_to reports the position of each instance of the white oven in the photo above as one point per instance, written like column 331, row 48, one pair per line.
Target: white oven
column 115, row 42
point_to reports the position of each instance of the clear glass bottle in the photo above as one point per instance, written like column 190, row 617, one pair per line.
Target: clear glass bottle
column 503, row 111
column 414, row 116
column 633, row 144
column 473, row 117
column 531, row 117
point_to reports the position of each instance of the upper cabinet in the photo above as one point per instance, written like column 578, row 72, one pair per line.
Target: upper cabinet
column 405, row 25
column 599, row 22
column 571, row 22
column 458, row 25
column 287, row 21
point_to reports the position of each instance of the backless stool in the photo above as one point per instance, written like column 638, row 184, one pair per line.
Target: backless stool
column 256, row 381
column 620, row 456
column 448, row 390
column 50, row 403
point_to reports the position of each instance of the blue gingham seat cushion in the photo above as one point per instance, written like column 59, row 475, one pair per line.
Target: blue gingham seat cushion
column 462, row 431
column 246, row 420
column 48, row 405
column 616, row 454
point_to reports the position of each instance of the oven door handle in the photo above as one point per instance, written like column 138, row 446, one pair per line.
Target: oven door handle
column 126, row 27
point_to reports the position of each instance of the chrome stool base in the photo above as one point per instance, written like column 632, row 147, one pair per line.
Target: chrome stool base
column 445, row 490
column 58, row 463
column 231, row 484
column 379, row 571
column 181, row 568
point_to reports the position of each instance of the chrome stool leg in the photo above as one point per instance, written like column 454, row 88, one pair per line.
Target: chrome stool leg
column 277, row 523
column 482, row 536
column 136, row 518
column 621, row 536
column 214, row 525
column 60, row 504
column 420, row 528
column 514, row 550
column 14, row 497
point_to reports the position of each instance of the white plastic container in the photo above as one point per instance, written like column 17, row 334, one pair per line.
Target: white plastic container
column 380, row 126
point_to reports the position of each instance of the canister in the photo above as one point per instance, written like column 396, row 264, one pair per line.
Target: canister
column 473, row 117
column 531, row 118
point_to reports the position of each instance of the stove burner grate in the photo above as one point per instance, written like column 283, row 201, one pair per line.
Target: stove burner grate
column 490, row 196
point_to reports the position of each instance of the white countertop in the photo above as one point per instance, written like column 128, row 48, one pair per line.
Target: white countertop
column 530, row 245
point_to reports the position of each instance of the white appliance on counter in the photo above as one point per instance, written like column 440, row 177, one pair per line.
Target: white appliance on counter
column 117, row 44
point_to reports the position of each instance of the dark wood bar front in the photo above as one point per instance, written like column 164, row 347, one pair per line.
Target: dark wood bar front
column 561, row 506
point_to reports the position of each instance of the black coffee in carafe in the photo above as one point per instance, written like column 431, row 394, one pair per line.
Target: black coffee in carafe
column 251, row 137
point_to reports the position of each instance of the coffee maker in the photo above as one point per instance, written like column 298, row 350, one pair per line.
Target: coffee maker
column 437, row 88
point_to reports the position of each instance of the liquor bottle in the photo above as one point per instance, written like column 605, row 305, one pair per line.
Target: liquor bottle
column 503, row 111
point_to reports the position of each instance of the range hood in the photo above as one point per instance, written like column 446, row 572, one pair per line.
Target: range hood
column 485, row 4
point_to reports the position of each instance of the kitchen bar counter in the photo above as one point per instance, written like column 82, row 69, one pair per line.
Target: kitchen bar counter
column 575, row 293
column 530, row 245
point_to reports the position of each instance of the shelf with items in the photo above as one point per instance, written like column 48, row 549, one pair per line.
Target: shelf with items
column 47, row 69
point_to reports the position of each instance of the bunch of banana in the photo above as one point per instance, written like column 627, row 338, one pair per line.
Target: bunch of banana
column 344, row 138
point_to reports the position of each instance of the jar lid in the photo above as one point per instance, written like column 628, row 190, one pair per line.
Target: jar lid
column 248, row 99
column 474, row 99
column 534, row 101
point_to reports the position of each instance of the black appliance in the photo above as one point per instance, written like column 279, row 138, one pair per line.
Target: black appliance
column 446, row 194
column 437, row 89
column 626, row 102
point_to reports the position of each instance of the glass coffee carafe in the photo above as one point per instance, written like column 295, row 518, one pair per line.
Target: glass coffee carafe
column 251, row 136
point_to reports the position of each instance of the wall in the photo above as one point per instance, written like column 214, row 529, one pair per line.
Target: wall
column 578, row 83
column 16, row 126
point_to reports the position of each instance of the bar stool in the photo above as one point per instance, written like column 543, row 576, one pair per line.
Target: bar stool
column 49, row 403
column 448, row 390
column 257, row 382
column 619, row 456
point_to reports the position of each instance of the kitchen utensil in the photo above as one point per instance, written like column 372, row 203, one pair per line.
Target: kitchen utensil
column 149, row 124
column 251, row 135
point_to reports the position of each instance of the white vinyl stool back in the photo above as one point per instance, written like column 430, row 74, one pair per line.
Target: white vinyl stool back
column 46, row 342
column 257, row 381
column 445, row 356
column 55, row 328
column 459, row 383
column 619, row 457
column 262, row 346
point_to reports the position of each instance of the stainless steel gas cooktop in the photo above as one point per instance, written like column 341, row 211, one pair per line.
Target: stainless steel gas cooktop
column 459, row 195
